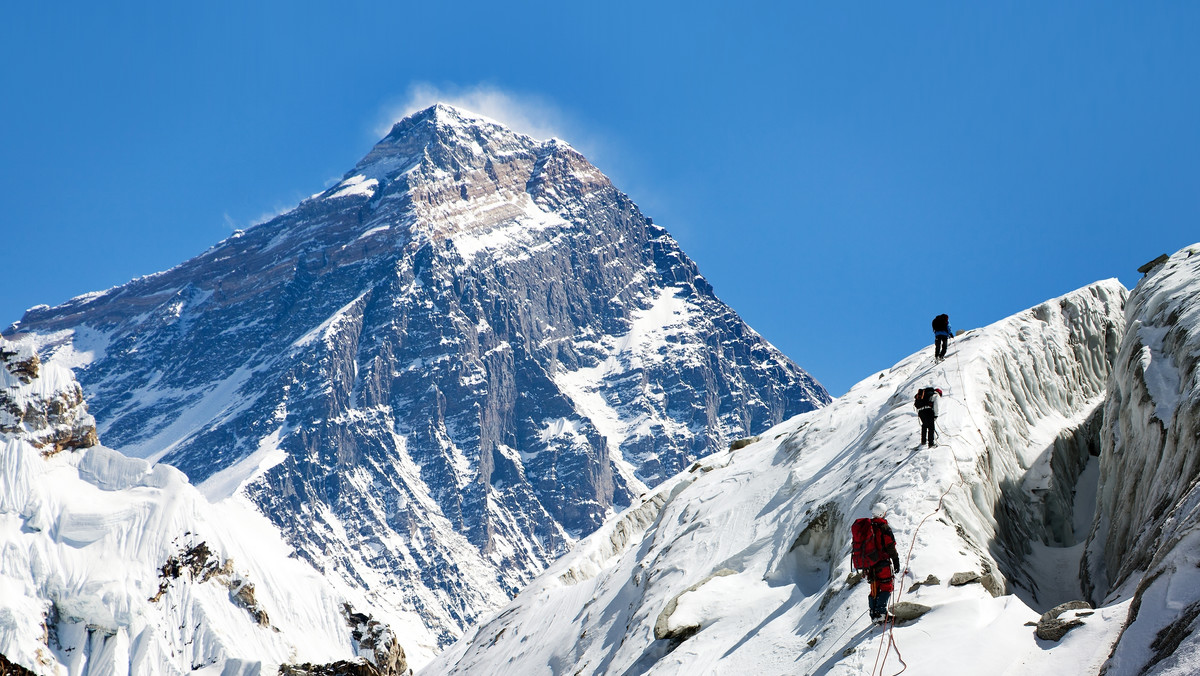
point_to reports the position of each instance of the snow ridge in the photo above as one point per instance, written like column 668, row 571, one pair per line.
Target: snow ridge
column 744, row 566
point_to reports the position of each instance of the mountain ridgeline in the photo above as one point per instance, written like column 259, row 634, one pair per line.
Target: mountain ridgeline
column 437, row 374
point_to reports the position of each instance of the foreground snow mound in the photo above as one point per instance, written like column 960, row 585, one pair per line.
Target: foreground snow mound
column 741, row 564
column 111, row 565
column 1147, row 532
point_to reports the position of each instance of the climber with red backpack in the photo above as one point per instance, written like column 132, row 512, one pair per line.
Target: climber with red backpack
column 874, row 555
column 926, row 403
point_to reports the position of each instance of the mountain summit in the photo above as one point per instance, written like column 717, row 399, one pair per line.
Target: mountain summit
column 434, row 376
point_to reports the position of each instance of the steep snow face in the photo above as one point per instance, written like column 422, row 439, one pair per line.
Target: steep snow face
column 741, row 564
column 1146, row 538
column 111, row 565
column 435, row 376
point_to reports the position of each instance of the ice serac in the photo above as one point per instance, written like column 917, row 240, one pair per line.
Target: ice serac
column 741, row 563
column 111, row 565
column 435, row 375
column 1146, row 538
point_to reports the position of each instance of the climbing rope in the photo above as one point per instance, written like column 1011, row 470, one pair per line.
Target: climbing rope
column 889, row 644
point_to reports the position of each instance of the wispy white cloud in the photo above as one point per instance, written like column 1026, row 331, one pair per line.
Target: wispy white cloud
column 525, row 113
column 233, row 224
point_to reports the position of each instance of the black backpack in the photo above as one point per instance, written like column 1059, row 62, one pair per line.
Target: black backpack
column 941, row 323
column 924, row 398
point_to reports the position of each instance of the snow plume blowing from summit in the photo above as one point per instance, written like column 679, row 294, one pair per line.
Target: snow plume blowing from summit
column 1064, row 477
column 523, row 113
column 434, row 377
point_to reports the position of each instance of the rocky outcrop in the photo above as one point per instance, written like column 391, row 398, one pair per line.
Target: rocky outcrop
column 906, row 611
column 8, row 668
column 1052, row 627
column 436, row 375
column 377, row 643
column 48, row 413
column 667, row 627
column 197, row 564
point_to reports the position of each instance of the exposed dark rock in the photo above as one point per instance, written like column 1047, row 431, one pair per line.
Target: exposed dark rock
column 53, row 422
column 682, row 633
column 742, row 443
column 906, row 610
column 198, row 564
column 1169, row 638
column 930, row 581
column 8, row 668
column 339, row 668
column 378, row 638
column 1051, row 628
column 959, row 579
column 1054, row 630
column 1064, row 607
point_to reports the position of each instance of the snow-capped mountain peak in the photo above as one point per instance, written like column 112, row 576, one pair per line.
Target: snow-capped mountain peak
column 436, row 375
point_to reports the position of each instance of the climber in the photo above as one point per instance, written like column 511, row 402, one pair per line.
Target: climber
column 941, row 336
column 874, row 556
column 926, row 403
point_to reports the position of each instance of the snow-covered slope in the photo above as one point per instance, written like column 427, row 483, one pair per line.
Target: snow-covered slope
column 111, row 565
column 1147, row 531
column 741, row 564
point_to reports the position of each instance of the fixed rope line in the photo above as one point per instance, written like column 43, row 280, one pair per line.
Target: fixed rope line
column 889, row 625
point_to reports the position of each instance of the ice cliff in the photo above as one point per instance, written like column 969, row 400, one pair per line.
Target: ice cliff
column 1146, row 537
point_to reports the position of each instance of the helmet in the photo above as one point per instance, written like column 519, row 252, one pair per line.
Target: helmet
column 879, row 510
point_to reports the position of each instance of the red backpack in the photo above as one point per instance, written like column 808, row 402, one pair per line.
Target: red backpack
column 867, row 541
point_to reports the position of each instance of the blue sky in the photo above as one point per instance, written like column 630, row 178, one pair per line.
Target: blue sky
column 840, row 171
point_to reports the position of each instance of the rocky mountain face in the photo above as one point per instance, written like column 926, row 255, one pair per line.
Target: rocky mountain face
column 434, row 376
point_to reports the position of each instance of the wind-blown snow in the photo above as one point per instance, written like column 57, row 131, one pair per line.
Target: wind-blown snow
column 740, row 565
